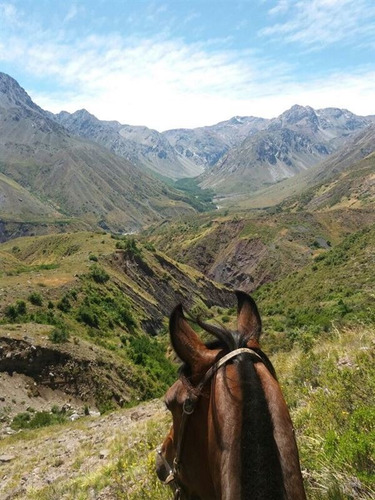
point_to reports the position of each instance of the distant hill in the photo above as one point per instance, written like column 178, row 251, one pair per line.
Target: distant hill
column 70, row 175
column 289, row 144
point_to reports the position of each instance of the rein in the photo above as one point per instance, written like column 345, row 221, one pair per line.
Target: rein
column 188, row 409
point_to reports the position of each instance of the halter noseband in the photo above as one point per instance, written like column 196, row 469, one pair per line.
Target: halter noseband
column 188, row 408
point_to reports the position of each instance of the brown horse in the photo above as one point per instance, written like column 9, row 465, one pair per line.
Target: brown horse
column 232, row 437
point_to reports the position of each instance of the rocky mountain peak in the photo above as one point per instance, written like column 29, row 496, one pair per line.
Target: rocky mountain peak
column 301, row 115
column 13, row 95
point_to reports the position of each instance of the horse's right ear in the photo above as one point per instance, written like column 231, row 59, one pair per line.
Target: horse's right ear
column 248, row 317
column 186, row 343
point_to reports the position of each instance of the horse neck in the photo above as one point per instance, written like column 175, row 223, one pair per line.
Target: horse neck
column 252, row 448
column 283, row 435
column 261, row 471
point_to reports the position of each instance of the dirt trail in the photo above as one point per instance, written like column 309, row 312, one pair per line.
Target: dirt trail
column 66, row 452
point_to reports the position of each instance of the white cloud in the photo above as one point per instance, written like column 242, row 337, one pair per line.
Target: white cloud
column 72, row 13
column 166, row 83
column 321, row 22
column 9, row 15
column 158, row 82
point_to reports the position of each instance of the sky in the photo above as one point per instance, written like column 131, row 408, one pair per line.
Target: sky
column 189, row 63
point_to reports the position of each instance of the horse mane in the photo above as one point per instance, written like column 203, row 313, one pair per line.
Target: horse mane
column 261, row 474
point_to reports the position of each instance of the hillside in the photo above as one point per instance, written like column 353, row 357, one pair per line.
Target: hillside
column 97, row 304
column 333, row 290
column 73, row 176
column 245, row 251
column 17, row 202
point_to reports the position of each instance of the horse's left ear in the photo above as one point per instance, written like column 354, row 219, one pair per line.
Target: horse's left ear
column 186, row 343
column 248, row 317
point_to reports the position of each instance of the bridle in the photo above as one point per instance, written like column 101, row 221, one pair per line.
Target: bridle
column 188, row 408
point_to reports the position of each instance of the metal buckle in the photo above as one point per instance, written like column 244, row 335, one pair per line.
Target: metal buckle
column 189, row 406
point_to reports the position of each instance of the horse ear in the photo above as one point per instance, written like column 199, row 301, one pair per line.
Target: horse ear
column 186, row 343
column 248, row 317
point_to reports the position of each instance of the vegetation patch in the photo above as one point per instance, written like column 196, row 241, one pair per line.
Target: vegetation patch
column 35, row 420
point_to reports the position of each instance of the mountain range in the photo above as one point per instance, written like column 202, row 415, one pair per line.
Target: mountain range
column 112, row 175
column 298, row 139
column 240, row 155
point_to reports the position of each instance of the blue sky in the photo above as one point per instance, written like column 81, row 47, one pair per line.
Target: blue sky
column 187, row 63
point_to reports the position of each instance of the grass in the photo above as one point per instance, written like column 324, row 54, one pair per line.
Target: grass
column 330, row 390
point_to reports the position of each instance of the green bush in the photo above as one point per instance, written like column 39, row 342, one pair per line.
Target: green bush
column 98, row 274
column 130, row 246
column 150, row 354
column 39, row 419
column 88, row 317
column 15, row 312
column 59, row 335
column 149, row 246
column 64, row 304
column 35, row 298
column 126, row 317
column 21, row 307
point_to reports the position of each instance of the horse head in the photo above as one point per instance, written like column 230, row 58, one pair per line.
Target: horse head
column 231, row 436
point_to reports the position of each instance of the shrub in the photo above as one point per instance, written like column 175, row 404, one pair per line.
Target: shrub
column 64, row 304
column 130, row 246
column 35, row 298
column 149, row 246
column 21, row 307
column 98, row 274
column 39, row 419
column 87, row 316
column 11, row 312
column 126, row 317
column 59, row 335
column 94, row 258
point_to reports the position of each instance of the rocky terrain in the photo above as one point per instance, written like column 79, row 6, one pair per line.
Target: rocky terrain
column 248, row 252
column 58, row 457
